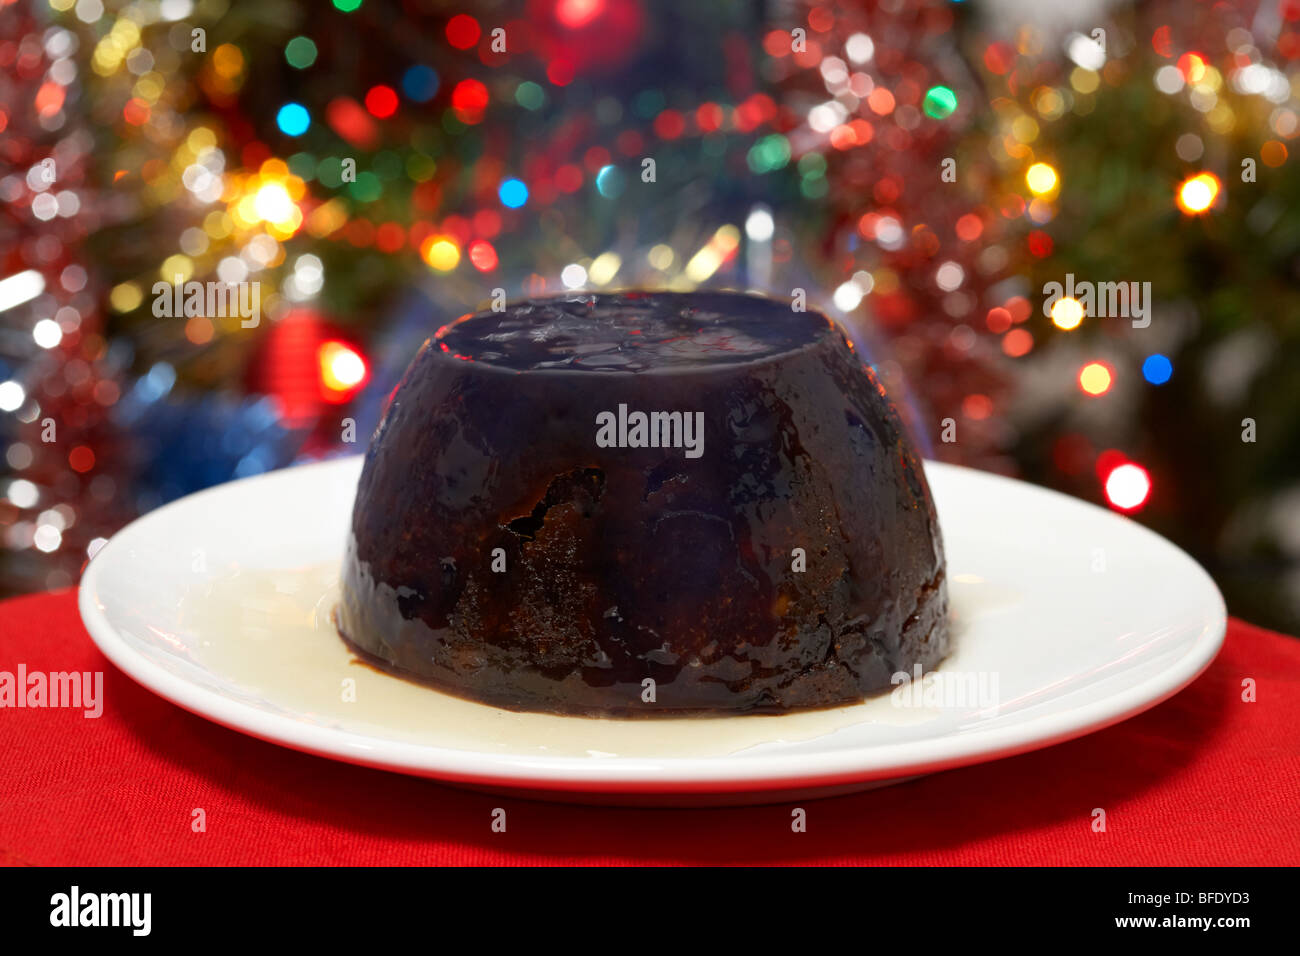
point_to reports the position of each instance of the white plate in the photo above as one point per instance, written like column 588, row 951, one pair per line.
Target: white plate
column 1068, row 618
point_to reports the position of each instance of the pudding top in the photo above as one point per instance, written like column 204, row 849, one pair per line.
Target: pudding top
column 632, row 332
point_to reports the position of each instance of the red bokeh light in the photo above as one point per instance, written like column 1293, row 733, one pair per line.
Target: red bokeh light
column 578, row 13
column 1040, row 244
column 482, row 255
column 470, row 96
column 346, row 117
column 82, row 459
column 998, row 320
column 969, row 227
column 669, row 124
column 463, row 31
column 381, row 101
column 568, row 178
column 560, row 72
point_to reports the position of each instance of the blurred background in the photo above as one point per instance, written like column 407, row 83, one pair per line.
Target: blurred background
column 923, row 168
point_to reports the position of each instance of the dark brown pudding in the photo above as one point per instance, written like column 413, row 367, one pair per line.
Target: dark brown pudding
column 645, row 503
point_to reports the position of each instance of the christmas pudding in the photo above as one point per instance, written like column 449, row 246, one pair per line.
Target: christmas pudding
column 644, row 503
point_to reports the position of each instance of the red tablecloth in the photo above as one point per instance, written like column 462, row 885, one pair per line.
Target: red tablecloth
column 1204, row 778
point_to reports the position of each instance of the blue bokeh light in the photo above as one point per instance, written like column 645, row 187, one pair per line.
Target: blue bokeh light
column 293, row 119
column 610, row 182
column 1157, row 369
column 420, row 83
column 513, row 193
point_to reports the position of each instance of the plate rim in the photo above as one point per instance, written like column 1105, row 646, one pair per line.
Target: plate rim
column 716, row 774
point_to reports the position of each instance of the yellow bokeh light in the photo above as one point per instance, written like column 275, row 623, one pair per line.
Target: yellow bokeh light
column 1221, row 119
column 1049, row 103
column 327, row 218
column 1041, row 179
column 1067, row 313
column 1197, row 193
column 1193, row 66
column 661, row 257
column 218, row 224
column 440, row 252
column 1024, row 129
column 604, row 268
column 274, row 168
column 1094, row 378
column 149, row 87
column 125, row 297
column 228, row 61
column 200, row 138
column 245, row 212
column 274, row 204
column 341, row 368
column 286, row 227
column 715, row 252
column 1084, row 81
column 177, row 268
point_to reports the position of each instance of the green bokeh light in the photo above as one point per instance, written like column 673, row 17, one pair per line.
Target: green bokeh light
column 530, row 96
column 330, row 172
column 814, row 188
column 367, row 188
column 347, row 6
column 303, row 165
column 300, row 52
column 939, row 102
column 812, row 165
column 769, row 153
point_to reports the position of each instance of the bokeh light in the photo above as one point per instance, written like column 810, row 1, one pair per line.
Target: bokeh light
column 300, row 52
column 512, row 193
column 1157, row 369
column 420, row 83
column 1067, row 313
column 440, row 252
column 1095, row 378
column 939, row 103
column 381, row 101
column 1041, row 179
column 342, row 370
column 293, row 119
column 1197, row 193
column 1128, row 486
column 463, row 31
